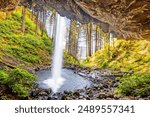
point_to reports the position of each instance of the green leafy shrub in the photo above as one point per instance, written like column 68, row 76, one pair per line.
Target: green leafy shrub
column 19, row 80
column 104, row 64
column 69, row 59
column 127, row 55
column 20, row 90
column 135, row 85
column 22, row 76
column 48, row 43
column 4, row 77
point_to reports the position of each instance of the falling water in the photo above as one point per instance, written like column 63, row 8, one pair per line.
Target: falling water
column 57, row 81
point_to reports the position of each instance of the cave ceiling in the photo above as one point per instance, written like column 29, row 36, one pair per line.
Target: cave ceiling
column 126, row 18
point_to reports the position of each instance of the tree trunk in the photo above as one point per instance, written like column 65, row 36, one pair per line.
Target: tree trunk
column 43, row 23
column 32, row 17
column 74, row 39
column 96, row 39
column 37, row 16
column 108, row 42
column 69, row 41
column 87, row 40
column 90, row 40
column 77, row 43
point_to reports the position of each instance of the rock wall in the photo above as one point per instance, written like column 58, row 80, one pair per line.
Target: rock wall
column 8, row 5
column 127, row 18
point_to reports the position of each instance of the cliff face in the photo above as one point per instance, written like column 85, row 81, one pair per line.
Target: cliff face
column 8, row 5
column 127, row 18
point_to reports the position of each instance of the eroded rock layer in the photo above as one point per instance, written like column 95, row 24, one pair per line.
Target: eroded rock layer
column 8, row 5
column 127, row 18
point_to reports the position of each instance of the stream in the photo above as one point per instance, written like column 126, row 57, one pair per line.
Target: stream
column 72, row 80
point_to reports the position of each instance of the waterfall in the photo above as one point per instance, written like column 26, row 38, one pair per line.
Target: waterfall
column 57, row 81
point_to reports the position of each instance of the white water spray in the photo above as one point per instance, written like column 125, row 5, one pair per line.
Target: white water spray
column 57, row 81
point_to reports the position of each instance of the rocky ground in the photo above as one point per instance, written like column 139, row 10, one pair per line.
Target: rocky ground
column 104, row 85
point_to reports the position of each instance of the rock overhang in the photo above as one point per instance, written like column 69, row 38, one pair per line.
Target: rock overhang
column 126, row 18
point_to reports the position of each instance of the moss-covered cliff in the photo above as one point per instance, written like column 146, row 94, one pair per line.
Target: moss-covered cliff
column 125, row 56
column 22, row 49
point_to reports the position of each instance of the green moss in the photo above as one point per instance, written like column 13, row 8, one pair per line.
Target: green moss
column 125, row 56
column 23, row 48
column 19, row 80
column 134, row 85
column 21, row 75
column 4, row 77
column 20, row 90
column 69, row 59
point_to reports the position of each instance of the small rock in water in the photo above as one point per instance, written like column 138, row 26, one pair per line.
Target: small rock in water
column 48, row 91
column 102, row 95
column 68, row 93
column 77, row 93
column 110, row 95
column 116, row 96
column 49, row 98
column 81, row 74
column 55, row 97
column 34, row 94
column 43, row 93
column 81, row 97
column 40, row 98
column 90, row 95
column 105, row 86
column 64, row 97
column 96, row 86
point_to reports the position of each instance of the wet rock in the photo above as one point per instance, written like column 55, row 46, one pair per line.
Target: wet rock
column 43, row 93
column 67, row 92
column 82, row 74
column 77, row 93
column 64, row 97
column 116, row 97
column 115, row 84
column 36, row 86
column 125, row 98
column 40, row 98
column 96, row 86
column 87, row 98
column 35, row 92
column 102, row 95
column 90, row 95
column 108, row 98
column 49, row 98
column 48, row 91
column 102, row 88
column 105, row 86
column 68, row 98
column 81, row 97
column 55, row 97
column 110, row 95
column 45, row 97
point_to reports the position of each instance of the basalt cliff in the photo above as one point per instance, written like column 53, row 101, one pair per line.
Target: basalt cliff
column 126, row 18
